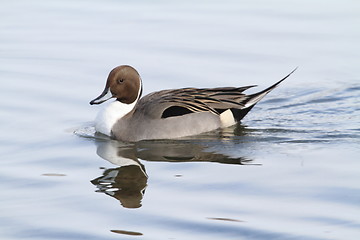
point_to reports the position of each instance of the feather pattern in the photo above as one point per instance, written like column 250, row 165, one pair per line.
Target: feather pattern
column 214, row 100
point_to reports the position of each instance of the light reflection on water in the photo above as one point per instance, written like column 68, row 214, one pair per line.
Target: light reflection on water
column 289, row 171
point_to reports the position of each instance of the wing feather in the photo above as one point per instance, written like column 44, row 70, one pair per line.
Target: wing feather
column 192, row 100
column 214, row 100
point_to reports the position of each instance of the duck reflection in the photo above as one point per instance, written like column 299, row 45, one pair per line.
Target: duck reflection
column 127, row 183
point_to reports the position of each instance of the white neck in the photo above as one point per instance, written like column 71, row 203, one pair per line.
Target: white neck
column 109, row 115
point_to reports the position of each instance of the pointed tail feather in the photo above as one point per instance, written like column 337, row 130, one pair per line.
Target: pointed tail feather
column 253, row 99
column 256, row 97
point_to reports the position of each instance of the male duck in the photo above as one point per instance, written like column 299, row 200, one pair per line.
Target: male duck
column 168, row 113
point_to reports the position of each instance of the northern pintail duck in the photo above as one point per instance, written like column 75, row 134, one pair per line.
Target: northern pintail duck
column 170, row 113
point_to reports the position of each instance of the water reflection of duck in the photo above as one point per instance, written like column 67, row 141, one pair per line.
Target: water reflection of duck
column 127, row 182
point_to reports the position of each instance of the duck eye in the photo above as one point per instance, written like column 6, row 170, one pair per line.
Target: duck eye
column 121, row 80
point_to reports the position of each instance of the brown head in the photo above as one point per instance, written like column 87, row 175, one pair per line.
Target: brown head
column 123, row 83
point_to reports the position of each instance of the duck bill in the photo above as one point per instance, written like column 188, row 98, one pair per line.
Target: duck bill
column 104, row 96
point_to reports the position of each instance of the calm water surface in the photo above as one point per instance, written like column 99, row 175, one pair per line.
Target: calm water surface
column 291, row 170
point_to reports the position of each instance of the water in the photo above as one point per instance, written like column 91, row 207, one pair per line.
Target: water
column 289, row 171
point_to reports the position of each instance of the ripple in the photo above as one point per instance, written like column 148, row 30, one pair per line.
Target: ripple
column 131, row 233
column 224, row 219
column 89, row 132
column 86, row 132
column 53, row 174
column 307, row 141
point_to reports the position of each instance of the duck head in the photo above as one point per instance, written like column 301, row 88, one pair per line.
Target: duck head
column 123, row 84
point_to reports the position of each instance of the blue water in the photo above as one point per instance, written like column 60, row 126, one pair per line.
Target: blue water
column 290, row 170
